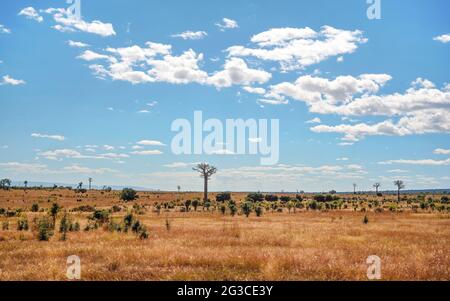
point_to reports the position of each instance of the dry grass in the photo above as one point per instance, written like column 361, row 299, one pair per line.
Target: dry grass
column 306, row 245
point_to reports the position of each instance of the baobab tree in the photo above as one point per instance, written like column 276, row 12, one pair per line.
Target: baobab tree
column 90, row 182
column 400, row 185
column 206, row 171
column 80, row 185
column 25, row 184
column 354, row 188
column 376, row 186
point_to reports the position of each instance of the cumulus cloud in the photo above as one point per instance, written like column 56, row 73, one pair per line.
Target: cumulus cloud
column 421, row 109
column 31, row 13
column 417, row 162
column 147, row 152
column 77, row 44
column 4, row 29
column 314, row 120
column 441, row 151
column 8, row 80
column 297, row 48
column 52, row 137
column 150, row 143
column 227, row 24
column 236, row 72
column 60, row 154
column 156, row 63
column 254, row 90
column 86, row 170
column 66, row 22
column 445, row 38
column 191, row 35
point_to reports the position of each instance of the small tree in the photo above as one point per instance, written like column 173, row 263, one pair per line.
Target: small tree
column 187, row 204
column 128, row 194
column 5, row 184
column 54, row 212
column 195, row 204
column 35, row 207
column 64, row 226
column 400, row 185
column 354, row 188
column 233, row 209
column 246, row 208
column 45, row 227
column 259, row 211
column 223, row 197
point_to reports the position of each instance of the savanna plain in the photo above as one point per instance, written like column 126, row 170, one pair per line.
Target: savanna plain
column 129, row 235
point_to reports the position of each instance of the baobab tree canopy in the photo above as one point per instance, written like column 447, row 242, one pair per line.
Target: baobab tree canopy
column 206, row 171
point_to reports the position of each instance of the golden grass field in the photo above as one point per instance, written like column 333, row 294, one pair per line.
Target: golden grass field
column 206, row 245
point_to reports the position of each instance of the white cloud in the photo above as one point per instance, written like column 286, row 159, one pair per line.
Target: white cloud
column 191, row 35
column 417, row 162
column 297, row 48
column 236, row 72
column 422, row 109
column 89, row 55
column 227, row 24
column 150, row 143
column 86, row 170
column 7, row 80
column 53, row 137
column 445, row 38
column 77, row 44
column 255, row 90
column 60, row 154
column 314, row 120
column 69, row 23
column 147, row 152
column 143, row 111
column 25, row 168
column 137, row 147
column 441, row 151
column 31, row 13
column 108, row 147
column 178, row 165
column 4, row 29
column 342, row 159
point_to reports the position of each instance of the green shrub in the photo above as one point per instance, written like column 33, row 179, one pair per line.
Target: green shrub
column 22, row 224
column 45, row 229
column 233, row 209
column 246, row 208
column 365, row 219
column 223, row 209
column 35, row 207
column 223, row 197
column 259, row 211
column 128, row 195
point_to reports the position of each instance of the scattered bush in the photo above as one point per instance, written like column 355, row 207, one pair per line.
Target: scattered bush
column 128, row 195
column 223, row 197
column 35, row 207
column 45, row 229
column 259, row 211
column 365, row 219
column 246, row 208
column 22, row 224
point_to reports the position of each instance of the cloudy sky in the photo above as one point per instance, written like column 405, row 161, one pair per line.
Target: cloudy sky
column 359, row 100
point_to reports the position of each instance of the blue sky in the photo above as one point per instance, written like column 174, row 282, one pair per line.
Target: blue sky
column 379, row 88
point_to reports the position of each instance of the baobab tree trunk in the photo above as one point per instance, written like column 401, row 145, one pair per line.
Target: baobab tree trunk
column 205, row 190
column 398, row 195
